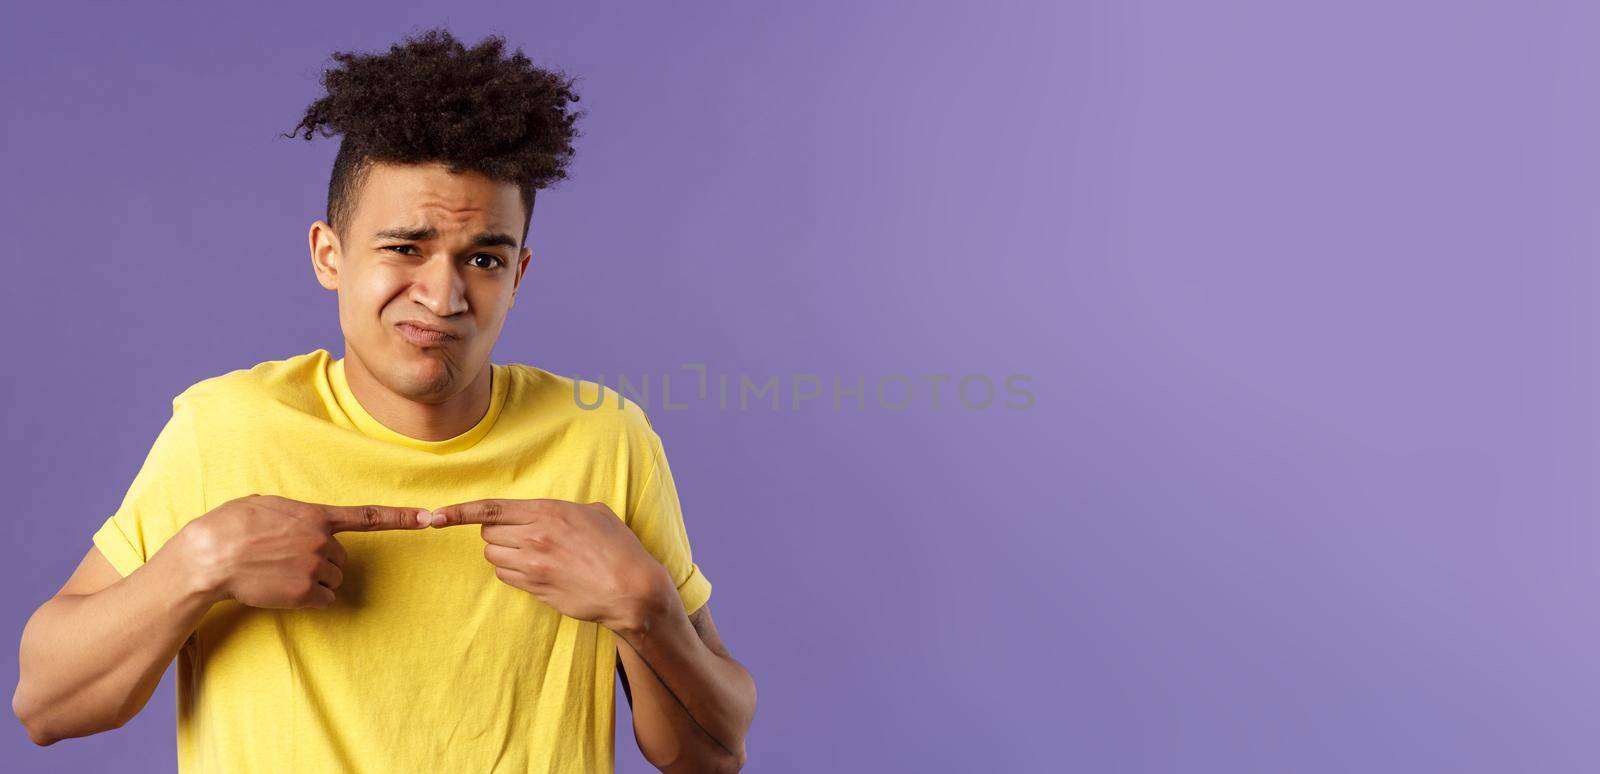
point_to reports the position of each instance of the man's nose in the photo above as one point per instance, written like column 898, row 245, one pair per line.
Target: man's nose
column 437, row 285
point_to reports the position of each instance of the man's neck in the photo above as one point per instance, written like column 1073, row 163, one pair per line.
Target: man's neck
column 422, row 421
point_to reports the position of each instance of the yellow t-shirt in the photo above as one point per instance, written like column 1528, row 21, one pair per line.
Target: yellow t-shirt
column 427, row 661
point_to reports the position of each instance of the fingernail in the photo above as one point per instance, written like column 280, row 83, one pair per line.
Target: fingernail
column 438, row 519
column 424, row 518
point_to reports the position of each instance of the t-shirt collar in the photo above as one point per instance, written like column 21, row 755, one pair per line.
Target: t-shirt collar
column 369, row 425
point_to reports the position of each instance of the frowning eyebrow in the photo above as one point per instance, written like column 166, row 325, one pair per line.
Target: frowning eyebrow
column 486, row 239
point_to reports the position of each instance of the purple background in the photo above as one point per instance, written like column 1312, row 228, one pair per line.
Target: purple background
column 1307, row 297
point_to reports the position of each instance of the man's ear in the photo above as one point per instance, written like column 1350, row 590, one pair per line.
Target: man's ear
column 325, row 254
column 522, row 268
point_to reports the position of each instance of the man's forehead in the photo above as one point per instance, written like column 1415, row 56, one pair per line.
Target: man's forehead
column 484, row 237
column 431, row 222
column 427, row 197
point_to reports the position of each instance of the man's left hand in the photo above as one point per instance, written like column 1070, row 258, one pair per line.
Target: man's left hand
column 580, row 559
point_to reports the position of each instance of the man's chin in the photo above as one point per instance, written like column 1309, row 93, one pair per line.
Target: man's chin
column 421, row 373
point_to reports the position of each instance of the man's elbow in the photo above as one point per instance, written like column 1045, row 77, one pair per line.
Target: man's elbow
column 44, row 735
column 38, row 733
column 721, row 762
column 30, row 719
column 725, row 763
column 39, row 737
column 45, row 730
column 731, row 761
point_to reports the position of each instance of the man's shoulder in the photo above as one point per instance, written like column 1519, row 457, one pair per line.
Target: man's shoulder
column 580, row 402
column 289, row 379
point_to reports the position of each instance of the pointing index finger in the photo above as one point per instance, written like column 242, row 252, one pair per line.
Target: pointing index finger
column 478, row 512
column 371, row 518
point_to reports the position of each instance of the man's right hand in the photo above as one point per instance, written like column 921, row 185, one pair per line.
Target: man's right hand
column 271, row 551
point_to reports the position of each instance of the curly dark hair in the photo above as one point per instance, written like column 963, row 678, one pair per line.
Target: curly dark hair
column 431, row 99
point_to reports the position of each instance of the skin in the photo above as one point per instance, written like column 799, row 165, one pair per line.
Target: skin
column 91, row 655
column 438, row 391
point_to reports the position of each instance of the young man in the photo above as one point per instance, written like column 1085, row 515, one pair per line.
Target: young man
column 409, row 558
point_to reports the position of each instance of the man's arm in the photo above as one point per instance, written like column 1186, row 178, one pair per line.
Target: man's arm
column 91, row 655
column 584, row 561
column 692, row 702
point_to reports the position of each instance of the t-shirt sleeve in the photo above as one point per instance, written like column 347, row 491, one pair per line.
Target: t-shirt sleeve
column 657, row 519
column 165, row 494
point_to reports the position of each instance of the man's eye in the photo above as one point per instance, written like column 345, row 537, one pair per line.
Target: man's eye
column 497, row 260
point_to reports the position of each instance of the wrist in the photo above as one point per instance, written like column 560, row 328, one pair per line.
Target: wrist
column 193, row 555
column 651, row 599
